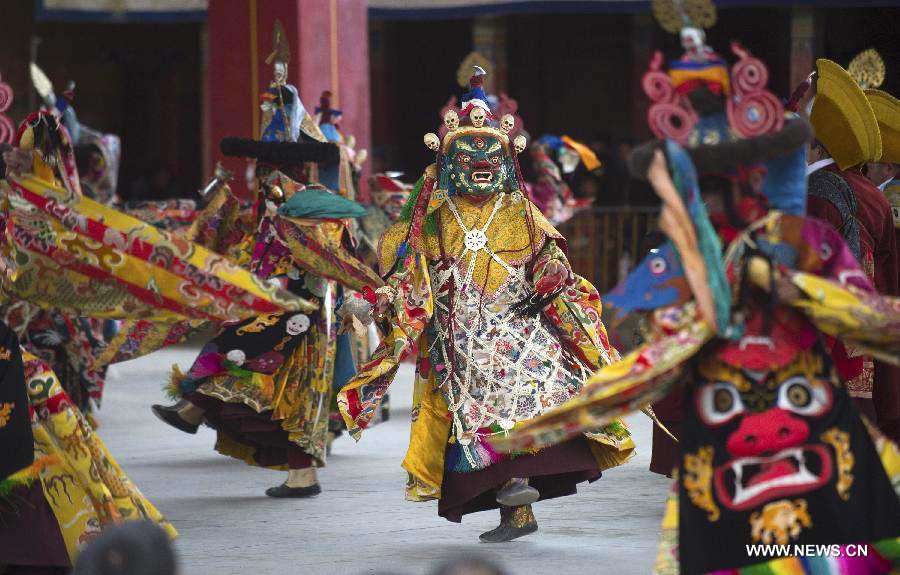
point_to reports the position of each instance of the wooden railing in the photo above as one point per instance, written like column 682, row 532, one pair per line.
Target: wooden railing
column 599, row 237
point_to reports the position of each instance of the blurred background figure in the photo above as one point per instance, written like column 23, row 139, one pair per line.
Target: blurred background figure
column 135, row 548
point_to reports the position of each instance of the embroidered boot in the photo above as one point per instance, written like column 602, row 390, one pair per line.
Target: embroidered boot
column 515, row 522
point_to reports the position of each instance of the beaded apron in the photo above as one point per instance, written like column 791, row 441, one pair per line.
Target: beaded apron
column 496, row 368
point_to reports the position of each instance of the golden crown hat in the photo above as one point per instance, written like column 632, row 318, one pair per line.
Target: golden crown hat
column 887, row 113
column 843, row 117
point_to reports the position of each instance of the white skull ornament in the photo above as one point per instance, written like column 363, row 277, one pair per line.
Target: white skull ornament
column 507, row 123
column 432, row 142
column 477, row 116
column 280, row 73
column 451, row 120
column 236, row 356
column 297, row 324
column 519, row 144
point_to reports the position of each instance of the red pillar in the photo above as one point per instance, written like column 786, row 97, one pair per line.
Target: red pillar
column 803, row 47
column 329, row 51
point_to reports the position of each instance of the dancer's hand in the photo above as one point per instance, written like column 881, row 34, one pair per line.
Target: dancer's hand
column 381, row 304
column 381, row 299
column 18, row 161
column 555, row 274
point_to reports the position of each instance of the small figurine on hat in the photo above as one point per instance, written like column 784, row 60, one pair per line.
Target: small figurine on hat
column 284, row 118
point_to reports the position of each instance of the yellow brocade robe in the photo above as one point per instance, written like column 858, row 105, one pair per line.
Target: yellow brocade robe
column 519, row 234
column 83, row 484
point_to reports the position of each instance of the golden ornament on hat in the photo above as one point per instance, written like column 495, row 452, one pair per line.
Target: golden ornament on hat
column 843, row 118
column 887, row 113
column 464, row 72
column 867, row 69
column 673, row 15
column 281, row 50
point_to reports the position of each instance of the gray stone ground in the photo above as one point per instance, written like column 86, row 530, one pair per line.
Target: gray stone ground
column 361, row 522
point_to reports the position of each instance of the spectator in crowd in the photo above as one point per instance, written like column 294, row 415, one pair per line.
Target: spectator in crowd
column 134, row 548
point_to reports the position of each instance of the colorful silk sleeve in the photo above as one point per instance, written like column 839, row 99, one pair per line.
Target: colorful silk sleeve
column 86, row 489
column 867, row 320
column 89, row 259
column 640, row 378
column 576, row 312
column 221, row 225
column 410, row 312
column 318, row 247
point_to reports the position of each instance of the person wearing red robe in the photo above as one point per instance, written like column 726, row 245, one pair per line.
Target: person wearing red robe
column 847, row 137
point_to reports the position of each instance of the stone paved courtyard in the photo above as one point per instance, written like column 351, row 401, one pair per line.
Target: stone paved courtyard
column 361, row 522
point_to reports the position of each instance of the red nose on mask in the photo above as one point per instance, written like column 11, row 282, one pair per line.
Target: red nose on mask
column 482, row 165
column 767, row 432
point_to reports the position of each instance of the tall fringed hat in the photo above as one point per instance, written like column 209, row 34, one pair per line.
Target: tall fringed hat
column 687, row 102
column 843, row 117
column 54, row 158
column 716, row 120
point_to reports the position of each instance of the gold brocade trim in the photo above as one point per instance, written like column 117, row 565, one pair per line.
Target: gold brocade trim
column 5, row 412
column 507, row 236
column 259, row 324
column 863, row 384
column 298, row 395
column 231, row 448
column 611, row 449
column 779, row 522
column 521, row 516
column 473, row 131
column 840, row 441
column 667, row 549
column 81, row 482
column 888, row 453
column 698, row 481
column 419, row 491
